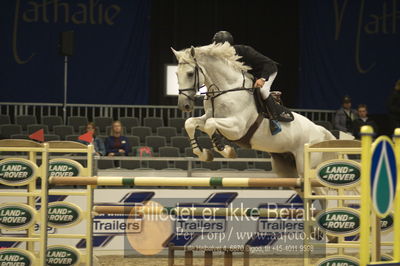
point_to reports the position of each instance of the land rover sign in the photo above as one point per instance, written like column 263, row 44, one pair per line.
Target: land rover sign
column 16, row 257
column 62, row 255
column 339, row 173
column 339, row 221
column 63, row 214
column 17, row 172
column 64, row 167
column 338, row 260
column 16, row 216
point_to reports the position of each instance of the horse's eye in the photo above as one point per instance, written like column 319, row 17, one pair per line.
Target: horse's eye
column 190, row 74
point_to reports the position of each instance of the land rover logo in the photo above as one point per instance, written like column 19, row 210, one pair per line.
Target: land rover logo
column 386, row 257
column 16, row 216
column 387, row 222
column 16, row 257
column 62, row 255
column 63, row 214
column 338, row 260
column 17, row 172
column 64, row 167
column 339, row 173
column 339, row 221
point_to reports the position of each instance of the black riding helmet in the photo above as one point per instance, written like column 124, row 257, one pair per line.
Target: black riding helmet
column 223, row 36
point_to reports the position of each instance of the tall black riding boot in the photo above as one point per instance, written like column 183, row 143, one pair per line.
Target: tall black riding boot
column 269, row 105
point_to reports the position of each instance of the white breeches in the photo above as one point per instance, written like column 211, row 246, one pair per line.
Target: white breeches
column 267, row 86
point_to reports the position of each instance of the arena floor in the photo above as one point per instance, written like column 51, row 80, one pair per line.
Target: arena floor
column 120, row 260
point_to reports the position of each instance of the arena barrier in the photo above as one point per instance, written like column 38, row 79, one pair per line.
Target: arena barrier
column 340, row 149
column 17, row 216
column 198, row 211
column 340, row 176
column 179, row 181
column 346, row 206
column 52, row 215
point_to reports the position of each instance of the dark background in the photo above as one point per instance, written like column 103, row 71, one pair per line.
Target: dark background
column 271, row 27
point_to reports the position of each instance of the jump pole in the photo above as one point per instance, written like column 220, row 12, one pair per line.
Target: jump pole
column 200, row 211
column 179, row 181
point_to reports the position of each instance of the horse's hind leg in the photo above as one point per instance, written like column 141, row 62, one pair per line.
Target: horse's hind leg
column 284, row 165
column 225, row 150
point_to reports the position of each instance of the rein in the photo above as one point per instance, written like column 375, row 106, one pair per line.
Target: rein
column 212, row 95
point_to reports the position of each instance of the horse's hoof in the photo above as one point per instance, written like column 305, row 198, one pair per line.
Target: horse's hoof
column 207, row 155
column 230, row 152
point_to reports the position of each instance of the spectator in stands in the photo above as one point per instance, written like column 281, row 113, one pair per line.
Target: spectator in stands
column 363, row 120
column 98, row 143
column 345, row 116
column 116, row 144
column 394, row 105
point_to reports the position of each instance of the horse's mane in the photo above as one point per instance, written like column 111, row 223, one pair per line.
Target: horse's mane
column 222, row 51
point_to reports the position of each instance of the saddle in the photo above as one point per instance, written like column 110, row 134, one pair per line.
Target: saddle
column 272, row 107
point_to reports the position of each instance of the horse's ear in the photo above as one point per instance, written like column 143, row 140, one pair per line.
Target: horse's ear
column 176, row 53
column 192, row 52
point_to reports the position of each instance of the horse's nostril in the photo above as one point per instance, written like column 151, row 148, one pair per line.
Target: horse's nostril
column 187, row 106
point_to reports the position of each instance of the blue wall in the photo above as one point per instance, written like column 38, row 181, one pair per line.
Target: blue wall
column 110, row 64
column 348, row 47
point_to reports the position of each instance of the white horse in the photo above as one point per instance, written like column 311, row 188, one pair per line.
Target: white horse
column 230, row 110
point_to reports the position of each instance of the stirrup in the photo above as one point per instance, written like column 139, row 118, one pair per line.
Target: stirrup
column 275, row 127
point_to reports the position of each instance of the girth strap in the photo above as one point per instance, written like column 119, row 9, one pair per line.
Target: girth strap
column 244, row 141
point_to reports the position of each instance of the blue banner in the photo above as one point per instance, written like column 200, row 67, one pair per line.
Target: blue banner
column 110, row 63
column 348, row 47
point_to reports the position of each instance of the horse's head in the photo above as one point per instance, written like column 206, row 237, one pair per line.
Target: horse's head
column 215, row 65
column 190, row 78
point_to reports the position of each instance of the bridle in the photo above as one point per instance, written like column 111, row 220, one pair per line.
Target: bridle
column 196, row 82
column 209, row 94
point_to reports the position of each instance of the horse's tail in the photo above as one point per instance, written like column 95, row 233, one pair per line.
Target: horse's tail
column 327, row 134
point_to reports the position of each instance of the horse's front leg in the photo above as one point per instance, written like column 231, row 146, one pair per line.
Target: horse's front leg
column 191, row 125
column 211, row 127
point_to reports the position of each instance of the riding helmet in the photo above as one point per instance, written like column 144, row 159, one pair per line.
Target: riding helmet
column 223, row 36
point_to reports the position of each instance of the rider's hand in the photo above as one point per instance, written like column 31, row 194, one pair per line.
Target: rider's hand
column 259, row 83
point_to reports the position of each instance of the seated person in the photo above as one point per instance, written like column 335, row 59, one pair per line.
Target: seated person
column 363, row 120
column 345, row 116
column 98, row 143
column 116, row 144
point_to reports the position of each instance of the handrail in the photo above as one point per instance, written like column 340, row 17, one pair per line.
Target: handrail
column 137, row 158
column 135, row 106
column 189, row 160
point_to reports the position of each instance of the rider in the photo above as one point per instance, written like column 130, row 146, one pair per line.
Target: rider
column 264, row 71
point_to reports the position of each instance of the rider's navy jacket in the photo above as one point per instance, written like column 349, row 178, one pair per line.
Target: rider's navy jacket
column 262, row 66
